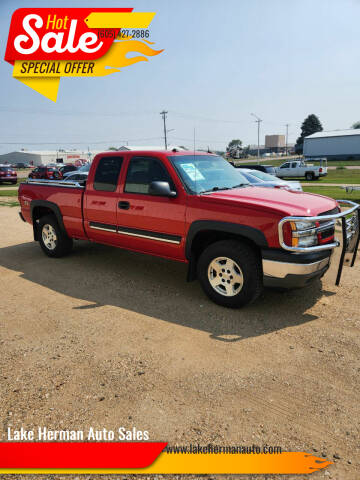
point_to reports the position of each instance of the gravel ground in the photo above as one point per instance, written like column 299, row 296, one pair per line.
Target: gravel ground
column 109, row 338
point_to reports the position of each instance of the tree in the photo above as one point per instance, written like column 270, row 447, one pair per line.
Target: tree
column 310, row 125
column 234, row 143
column 356, row 125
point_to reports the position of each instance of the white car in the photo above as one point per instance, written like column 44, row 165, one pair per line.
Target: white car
column 261, row 179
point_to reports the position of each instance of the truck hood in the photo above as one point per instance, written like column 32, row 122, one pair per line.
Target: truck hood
column 286, row 202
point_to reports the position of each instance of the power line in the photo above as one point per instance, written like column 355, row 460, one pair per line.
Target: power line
column 287, row 136
column 87, row 142
column 164, row 113
column 31, row 111
column 258, row 121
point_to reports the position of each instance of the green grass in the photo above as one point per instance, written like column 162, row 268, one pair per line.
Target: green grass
column 8, row 193
column 340, row 176
column 9, row 203
column 276, row 162
column 7, row 185
column 334, row 192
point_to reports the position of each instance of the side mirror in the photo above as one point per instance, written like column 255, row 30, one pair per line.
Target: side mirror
column 161, row 189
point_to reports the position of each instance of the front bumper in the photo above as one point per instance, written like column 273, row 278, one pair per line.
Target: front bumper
column 285, row 270
column 8, row 179
column 297, row 266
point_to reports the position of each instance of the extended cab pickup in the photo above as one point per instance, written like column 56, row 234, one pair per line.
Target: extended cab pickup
column 299, row 168
column 195, row 208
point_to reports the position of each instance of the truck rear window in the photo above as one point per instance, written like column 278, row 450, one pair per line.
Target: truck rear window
column 107, row 174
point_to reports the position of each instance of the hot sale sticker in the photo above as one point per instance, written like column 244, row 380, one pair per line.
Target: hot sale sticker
column 55, row 42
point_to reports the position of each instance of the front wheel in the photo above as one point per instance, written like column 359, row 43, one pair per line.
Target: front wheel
column 53, row 240
column 230, row 273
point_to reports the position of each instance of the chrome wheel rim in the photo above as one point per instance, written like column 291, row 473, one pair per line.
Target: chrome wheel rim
column 225, row 276
column 49, row 236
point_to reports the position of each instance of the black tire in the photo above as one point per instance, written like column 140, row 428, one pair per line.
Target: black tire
column 60, row 244
column 309, row 176
column 249, row 263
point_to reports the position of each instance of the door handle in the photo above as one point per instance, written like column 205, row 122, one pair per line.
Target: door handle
column 124, row 205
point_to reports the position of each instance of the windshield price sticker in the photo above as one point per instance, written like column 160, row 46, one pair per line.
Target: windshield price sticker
column 192, row 171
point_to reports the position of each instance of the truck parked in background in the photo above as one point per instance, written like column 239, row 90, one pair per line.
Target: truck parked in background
column 300, row 168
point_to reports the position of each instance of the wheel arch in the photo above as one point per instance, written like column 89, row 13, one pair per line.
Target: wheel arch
column 203, row 233
column 40, row 208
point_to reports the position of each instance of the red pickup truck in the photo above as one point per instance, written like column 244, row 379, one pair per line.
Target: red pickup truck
column 195, row 208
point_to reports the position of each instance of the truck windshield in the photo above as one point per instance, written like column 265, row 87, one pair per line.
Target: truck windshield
column 207, row 173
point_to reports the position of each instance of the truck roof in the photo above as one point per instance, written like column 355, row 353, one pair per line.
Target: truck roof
column 156, row 152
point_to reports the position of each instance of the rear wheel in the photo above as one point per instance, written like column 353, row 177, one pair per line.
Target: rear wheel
column 230, row 273
column 309, row 176
column 53, row 240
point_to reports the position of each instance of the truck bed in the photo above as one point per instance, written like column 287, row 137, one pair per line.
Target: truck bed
column 67, row 196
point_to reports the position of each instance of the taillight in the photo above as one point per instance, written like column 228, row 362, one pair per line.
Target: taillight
column 320, row 170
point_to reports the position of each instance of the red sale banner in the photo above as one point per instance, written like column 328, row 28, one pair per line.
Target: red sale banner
column 45, row 44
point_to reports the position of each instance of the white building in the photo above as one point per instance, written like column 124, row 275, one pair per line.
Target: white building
column 44, row 157
column 342, row 144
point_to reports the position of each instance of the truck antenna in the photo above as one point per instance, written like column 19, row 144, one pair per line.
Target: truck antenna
column 194, row 160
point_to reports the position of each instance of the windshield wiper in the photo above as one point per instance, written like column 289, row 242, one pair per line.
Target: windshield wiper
column 215, row 189
column 240, row 185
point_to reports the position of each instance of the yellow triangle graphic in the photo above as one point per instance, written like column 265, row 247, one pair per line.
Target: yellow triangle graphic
column 44, row 85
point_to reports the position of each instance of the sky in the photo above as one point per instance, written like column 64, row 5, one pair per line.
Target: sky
column 222, row 61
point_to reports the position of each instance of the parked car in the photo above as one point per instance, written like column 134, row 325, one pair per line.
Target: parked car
column 84, row 169
column 300, row 168
column 48, row 173
column 8, row 174
column 195, row 208
column 261, row 168
column 262, row 179
column 76, row 177
column 67, row 169
column 19, row 165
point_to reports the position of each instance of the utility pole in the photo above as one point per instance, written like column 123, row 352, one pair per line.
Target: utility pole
column 287, row 134
column 164, row 113
column 258, row 121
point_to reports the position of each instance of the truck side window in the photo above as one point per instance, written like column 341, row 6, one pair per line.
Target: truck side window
column 293, row 165
column 142, row 171
column 286, row 165
column 107, row 174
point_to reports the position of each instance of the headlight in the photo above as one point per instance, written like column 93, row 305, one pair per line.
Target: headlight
column 300, row 234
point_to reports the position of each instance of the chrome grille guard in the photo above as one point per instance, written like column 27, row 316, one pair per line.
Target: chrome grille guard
column 350, row 222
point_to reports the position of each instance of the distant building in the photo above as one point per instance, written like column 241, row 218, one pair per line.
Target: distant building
column 266, row 149
column 44, row 157
column 275, row 143
column 342, row 144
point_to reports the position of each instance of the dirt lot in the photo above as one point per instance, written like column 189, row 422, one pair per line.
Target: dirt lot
column 108, row 338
